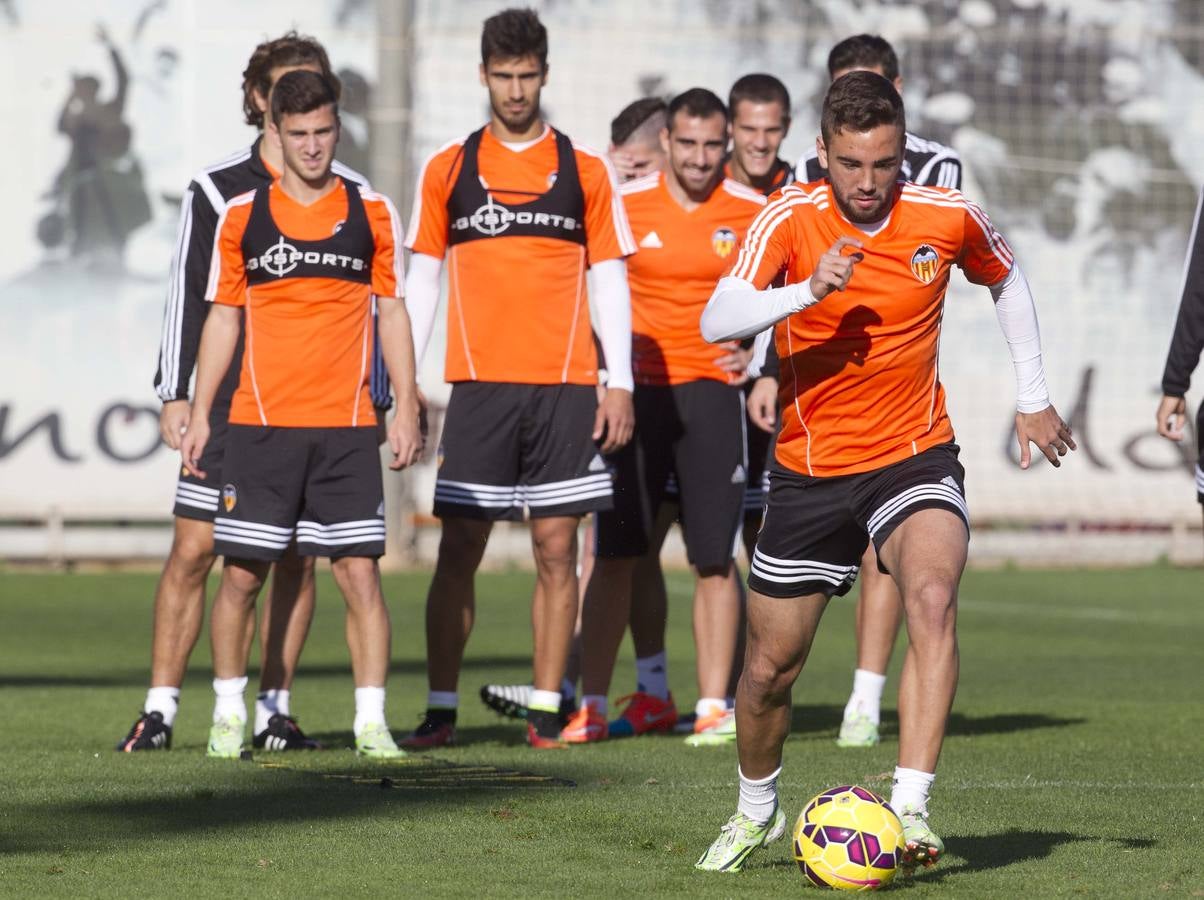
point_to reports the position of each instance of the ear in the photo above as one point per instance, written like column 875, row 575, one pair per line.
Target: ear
column 898, row 83
column 821, row 151
column 543, row 82
column 273, row 133
column 260, row 101
column 481, row 74
column 785, row 126
column 664, row 139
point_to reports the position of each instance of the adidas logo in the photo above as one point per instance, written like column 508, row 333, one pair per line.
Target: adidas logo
column 380, row 510
column 951, row 481
column 597, row 464
column 739, row 476
column 652, row 240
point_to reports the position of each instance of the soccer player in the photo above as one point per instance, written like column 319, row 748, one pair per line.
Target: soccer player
column 688, row 220
column 866, row 449
column 520, row 212
column 1184, row 353
column 879, row 611
column 180, row 596
column 302, row 262
column 635, row 150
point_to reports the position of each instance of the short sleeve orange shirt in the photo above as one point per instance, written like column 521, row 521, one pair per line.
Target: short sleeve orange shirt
column 860, row 388
column 517, row 305
column 308, row 339
column 682, row 254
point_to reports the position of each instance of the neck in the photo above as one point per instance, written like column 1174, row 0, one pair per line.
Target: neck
column 687, row 199
column 503, row 132
column 304, row 190
column 760, row 183
column 271, row 154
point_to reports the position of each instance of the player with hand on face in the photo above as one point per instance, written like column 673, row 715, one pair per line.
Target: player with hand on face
column 866, row 450
column 180, row 595
column 304, row 261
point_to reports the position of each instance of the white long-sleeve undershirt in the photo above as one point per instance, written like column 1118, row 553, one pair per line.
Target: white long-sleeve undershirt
column 738, row 310
column 1017, row 315
column 611, row 300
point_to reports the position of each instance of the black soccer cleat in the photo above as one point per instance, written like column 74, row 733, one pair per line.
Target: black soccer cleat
column 513, row 701
column 283, row 733
column 150, row 732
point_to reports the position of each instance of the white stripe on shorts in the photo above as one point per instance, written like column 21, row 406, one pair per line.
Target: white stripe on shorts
column 786, row 571
column 935, row 491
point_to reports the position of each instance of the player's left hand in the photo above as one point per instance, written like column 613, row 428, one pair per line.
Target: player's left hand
column 406, row 436
column 1172, row 416
column 615, row 420
column 735, row 362
column 1047, row 430
column 763, row 403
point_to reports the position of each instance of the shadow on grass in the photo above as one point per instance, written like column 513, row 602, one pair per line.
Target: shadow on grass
column 266, row 793
column 818, row 719
column 983, row 852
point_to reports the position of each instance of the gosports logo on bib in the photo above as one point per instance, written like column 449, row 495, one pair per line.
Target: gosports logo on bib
column 281, row 258
column 493, row 219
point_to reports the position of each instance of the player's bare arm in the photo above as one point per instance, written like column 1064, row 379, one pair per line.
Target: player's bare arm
column 173, row 421
column 397, row 349
column 218, row 342
column 763, row 403
column 835, row 268
column 1047, row 430
column 614, row 422
column 1172, row 416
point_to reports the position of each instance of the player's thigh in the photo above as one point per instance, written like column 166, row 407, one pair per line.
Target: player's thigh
column 710, row 459
column 478, row 473
column 890, row 497
column 343, row 514
column 640, row 471
column 264, row 480
column 927, row 551
column 810, row 540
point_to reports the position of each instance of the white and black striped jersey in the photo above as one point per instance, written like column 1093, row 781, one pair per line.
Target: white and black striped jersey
column 924, row 162
column 1188, row 340
column 184, row 316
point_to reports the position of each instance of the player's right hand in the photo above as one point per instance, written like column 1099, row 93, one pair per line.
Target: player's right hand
column 406, row 437
column 835, row 268
column 1172, row 416
column 193, row 445
column 763, row 403
column 173, row 421
column 614, row 423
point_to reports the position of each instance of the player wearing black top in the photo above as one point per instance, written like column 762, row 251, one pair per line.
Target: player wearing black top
column 180, row 594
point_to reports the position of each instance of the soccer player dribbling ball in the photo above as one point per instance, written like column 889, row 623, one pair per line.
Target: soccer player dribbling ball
column 866, row 448
column 302, row 262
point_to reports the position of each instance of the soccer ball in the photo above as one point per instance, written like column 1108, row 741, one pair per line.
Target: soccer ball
column 849, row 839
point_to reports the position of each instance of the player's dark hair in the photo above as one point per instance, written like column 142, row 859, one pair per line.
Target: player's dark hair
column 696, row 103
column 290, row 49
column 864, row 51
column 634, row 116
column 759, row 88
column 513, row 33
column 302, row 91
column 860, row 101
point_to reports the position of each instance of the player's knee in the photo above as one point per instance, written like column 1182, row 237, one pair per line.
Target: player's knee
column 192, row 548
column 765, row 678
column 241, row 581
column 555, row 553
column 931, row 606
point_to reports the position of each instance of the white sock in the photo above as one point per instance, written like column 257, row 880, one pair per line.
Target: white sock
column 369, row 708
column 596, row 702
column 652, row 675
column 267, row 704
column 442, row 700
column 545, row 701
column 910, row 790
column 866, row 698
column 758, row 798
column 163, row 700
column 706, row 706
column 230, row 703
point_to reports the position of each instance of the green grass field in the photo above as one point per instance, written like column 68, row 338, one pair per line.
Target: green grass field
column 1074, row 764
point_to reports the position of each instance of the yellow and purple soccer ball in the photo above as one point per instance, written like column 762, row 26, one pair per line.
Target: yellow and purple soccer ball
column 848, row 838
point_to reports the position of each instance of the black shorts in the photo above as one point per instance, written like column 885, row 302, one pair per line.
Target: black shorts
column 510, row 447
column 696, row 432
column 1200, row 457
column 761, row 445
column 815, row 529
column 198, row 498
column 321, row 484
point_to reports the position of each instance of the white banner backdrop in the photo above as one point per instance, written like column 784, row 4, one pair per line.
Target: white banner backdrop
column 1079, row 125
